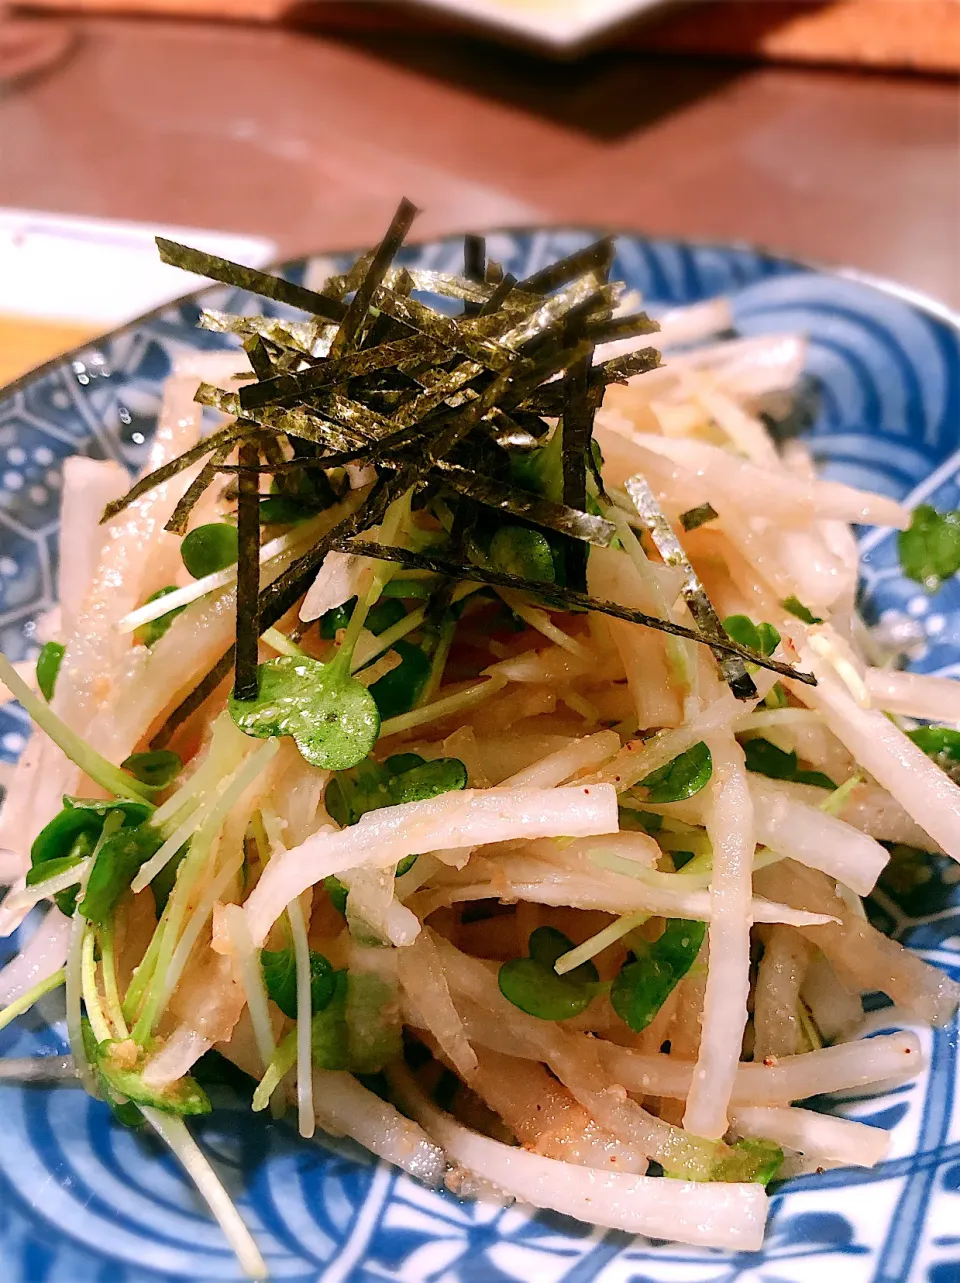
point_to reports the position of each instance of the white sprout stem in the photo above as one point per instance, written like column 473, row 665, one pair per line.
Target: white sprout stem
column 198, row 920
column 173, row 1131
column 160, row 987
column 379, row 668
column 251, row 977
column 190, row 593
column 459, row 702
column 541, row 622
column 27, row 897
column 211, row 812
column 88, row 985
column 282, row 644
column 74, row 978
column 301, row 949
column 74, row 997
column 597, row 943
column 111, row 991
column 73, row 745
column 26, row 1000
column 221, row 759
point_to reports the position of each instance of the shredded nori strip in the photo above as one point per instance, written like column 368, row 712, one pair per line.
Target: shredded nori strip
column 693, row 518
column 436, row 404
column 248, row 574
column 597, row 257
column 232, row 432
column 474, row 267
column 560, row 598
column 701, row 608
column 559, row 517
column 349, row 365
column 198, row 487
column 576, row 441
column 624, row 327
column 384, row 255
column 504, row 290
column 248, row 278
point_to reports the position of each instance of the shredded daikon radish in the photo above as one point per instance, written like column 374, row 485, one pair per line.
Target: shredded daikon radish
column 837, row 1012
column 925, row 791
column 175, row 1057
column 527, row 867
column 305, row 1106
column 710, row 1215
column 44, row 953
column 914, row 694
column 584, row 754
column 731, row 828
column 345, row 1108
column 776, row 1018
column 788, row 1078
column 829, row 1140
column 470, row 818
column 810, row 836
column 421, row 975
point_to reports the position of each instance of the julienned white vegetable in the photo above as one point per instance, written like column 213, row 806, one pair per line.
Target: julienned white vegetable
column 831, row 1141
column 731, row 829
column 468, row 819
column 809, row 835
column 924, row 791
column 711, row 1215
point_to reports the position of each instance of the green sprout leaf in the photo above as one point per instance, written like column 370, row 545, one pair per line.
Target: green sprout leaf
column 398, row 691
column 532, row 984
column 149, row 634
column 764, row 758
column 184, row 1097
column 405, row 777
column 72, row 835
column 639, row 821
column 117, row 863
column 158, row 768
column 643, row 986
column 930, row 549
column 796, row 607
column 381, row 616
column 681, row 778
column 333, row 718
column 942, row 745
column 48, row 666
column 763, row 638
column 279, row 969
column 518, row 550
column 209, row 548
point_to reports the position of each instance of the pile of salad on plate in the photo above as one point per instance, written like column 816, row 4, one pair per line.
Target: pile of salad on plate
column 475, row 740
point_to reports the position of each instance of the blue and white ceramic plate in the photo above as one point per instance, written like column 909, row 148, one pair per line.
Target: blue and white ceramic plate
column 84, row 1201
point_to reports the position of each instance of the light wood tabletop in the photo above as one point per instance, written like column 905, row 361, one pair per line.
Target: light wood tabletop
column 309, row 140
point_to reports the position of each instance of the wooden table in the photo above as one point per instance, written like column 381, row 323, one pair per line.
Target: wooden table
column 310, row 140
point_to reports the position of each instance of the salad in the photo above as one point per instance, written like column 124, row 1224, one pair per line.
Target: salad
column 465, row 726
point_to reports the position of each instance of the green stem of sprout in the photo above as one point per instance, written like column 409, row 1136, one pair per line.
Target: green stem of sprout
column 104, row 773
column 26, row 1000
